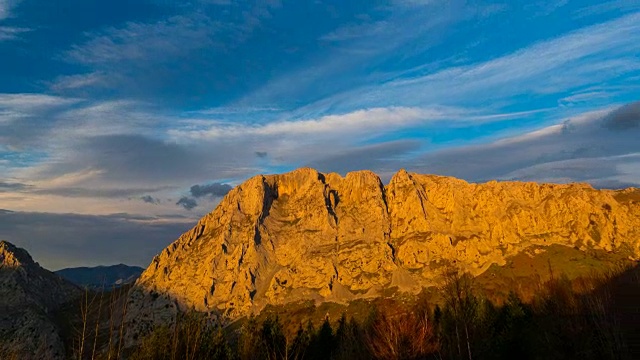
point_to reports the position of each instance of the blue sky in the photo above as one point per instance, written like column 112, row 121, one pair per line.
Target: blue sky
column 143, row 113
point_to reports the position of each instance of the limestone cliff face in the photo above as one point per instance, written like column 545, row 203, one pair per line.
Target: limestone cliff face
column 306, row 235
column 28, row 296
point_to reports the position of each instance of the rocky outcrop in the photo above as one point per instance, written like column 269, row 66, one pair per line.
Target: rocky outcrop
column 29, row 295
column 306, row 235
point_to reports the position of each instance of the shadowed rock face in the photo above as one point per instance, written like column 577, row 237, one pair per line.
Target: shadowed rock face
column 306, row 235
column 29, row 295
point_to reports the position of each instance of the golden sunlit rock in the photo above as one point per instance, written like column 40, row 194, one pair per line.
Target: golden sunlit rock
column 305, row 235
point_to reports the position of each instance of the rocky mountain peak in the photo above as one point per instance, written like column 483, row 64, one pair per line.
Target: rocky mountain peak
column 13, row 256
column 29, row 295
column 305, row 235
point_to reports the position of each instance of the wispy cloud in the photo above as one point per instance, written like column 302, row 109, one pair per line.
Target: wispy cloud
column 8, row 33
column 78, row 81
column 357, row 31
column 398, row 29
column 11, row 186
column 22, row 117
column 598, row 147
column 6, row 6
column 610, row 41
column 29, row 102
column 581, row 58
column 608, row 6
column 11, row 33
column 127, row 58
column 173, row 37
column 210, row 92
column 359, row 122
column 95, row 151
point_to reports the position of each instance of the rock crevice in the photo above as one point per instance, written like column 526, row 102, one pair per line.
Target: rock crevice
column 306, row 235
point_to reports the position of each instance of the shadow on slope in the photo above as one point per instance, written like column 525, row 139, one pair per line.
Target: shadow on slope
column 589, row 317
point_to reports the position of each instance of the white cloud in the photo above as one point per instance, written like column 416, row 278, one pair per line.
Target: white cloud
column 27, row 102
column 608, row 6
column 105, row 118
column 8, row 33
column 11, row 33
column 583, row 58
column 351, row 32
column 78, row 81
column 14, row 107
column 140, row 42
column 97, row 148
column 363, row 42
column 356, row 123
column 352, row 127
column 6, row 6
column 612, row 41
column 413, row 3
column 70, row 179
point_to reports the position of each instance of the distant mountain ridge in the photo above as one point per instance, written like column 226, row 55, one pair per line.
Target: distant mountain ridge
column 305, row 235
column 102, row 276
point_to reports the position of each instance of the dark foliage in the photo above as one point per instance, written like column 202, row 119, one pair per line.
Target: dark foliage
column 588, row 318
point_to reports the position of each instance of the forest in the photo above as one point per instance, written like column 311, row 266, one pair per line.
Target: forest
column 592, row 317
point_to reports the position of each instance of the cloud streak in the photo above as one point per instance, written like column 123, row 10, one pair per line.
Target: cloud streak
column 588, row 56
column 135, row 42
column 8, row 33
column 599, row 147
column 6, row 7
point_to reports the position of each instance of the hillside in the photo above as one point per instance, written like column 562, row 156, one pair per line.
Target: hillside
column 102, row 276
column 29, row 296
column 304, row 235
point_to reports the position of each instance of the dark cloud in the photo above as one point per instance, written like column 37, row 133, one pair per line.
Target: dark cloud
column 67, row 240
column 215, row 189
column 261, row 154
column 150, row 199
column 137, row 157
column 7, row 186
column 626, row 117
column 96, row 192
column 590, row 149
column 187, row 203
column 131, row 166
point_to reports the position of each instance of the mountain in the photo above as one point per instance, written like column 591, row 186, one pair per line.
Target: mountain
column 29, row 297
column 102, row 276
column 305, row 235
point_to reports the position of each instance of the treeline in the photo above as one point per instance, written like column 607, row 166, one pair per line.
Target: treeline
column 588, row 318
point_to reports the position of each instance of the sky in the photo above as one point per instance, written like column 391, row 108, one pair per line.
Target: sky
column 122, row 122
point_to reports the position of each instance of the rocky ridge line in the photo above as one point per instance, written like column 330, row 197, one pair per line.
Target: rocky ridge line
column 305, row 235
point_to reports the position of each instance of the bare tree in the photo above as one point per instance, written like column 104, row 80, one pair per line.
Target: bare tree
column 407, row 336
